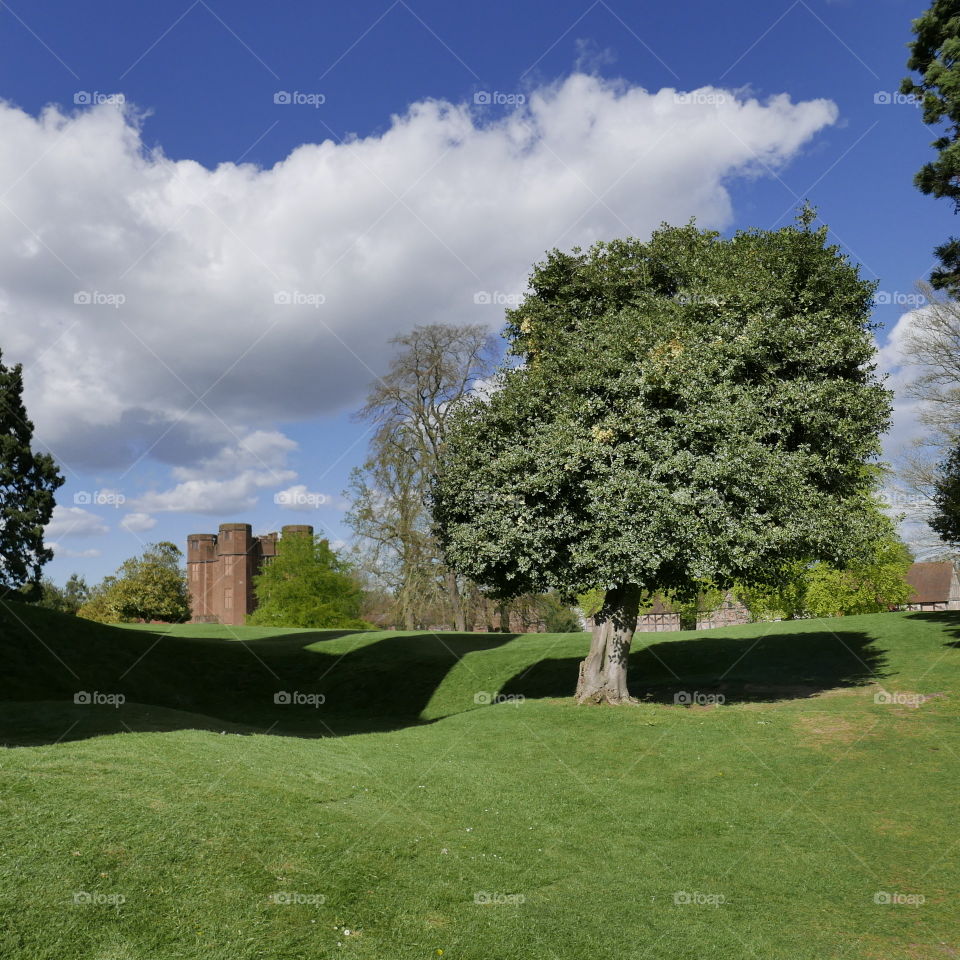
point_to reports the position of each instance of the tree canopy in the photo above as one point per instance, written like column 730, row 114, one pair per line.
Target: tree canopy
column 148, row 587
column 689, row 411
column 945, row 520
column 307, row 585
column 870, row 584
column 28, row 481
column 935, row 56
column 66, row 599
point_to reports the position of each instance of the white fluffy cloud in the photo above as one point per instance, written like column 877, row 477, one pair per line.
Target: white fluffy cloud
column 228, row 481
column 138, row 522
column 299, row 498
column 163, row 309
column 893, row 363
column 216, row 497
column 76, row 554
column 74, row 522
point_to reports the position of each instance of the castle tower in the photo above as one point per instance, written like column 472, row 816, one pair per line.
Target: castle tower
column 221, row 568
column 268, row 546
column 201, row 575
column 297, row 529
column 238, row 560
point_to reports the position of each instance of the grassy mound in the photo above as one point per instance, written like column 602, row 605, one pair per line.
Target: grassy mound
column 783, row 791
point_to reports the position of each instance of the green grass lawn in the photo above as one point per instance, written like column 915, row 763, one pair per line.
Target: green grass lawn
column 199, row 818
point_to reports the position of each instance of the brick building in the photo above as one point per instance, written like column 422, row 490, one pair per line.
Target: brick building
column 658, row 619
column 731, row 613
column 221, row 567
column 935, row 587
column 661, row 618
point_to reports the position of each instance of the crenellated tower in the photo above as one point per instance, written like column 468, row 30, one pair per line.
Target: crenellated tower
column 221, row 567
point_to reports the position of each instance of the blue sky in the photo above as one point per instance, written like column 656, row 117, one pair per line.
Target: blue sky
column 162, row 400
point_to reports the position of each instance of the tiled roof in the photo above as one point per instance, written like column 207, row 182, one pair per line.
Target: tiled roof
column 930, row 582
column 658, row 609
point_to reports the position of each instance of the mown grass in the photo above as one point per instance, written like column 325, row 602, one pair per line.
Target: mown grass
column 406, row 799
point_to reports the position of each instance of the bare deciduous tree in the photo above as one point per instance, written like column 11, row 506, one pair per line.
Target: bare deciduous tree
column 932, row 347
column 434, row 368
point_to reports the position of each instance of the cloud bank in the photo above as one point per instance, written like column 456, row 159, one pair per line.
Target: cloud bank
column 168, row 311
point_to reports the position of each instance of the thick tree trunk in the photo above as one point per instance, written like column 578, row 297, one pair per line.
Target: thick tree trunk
column 603, row 674
column 504, row 609
column 407, row 612
column 456, row 602
column 488, row 612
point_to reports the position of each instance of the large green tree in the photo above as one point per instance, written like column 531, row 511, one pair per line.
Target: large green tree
column 27, row 484
column 307, row 585
column 873, row 583
column 97, row 605
column 688, row 410
column 935, row 56
column 148, row 587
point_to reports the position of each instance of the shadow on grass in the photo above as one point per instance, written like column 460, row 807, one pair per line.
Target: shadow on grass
column 288, row 684
column 774, row 667
column 949, row 620
column 66, row 679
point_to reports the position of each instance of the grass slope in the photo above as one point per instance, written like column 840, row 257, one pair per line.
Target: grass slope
column 766, row 826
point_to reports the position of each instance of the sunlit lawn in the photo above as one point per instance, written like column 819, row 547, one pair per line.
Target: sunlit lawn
column 413, row 810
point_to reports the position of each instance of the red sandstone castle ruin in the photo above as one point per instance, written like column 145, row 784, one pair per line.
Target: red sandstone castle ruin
column 221, row 568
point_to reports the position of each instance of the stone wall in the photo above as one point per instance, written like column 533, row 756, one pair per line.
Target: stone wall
column 730, row 613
